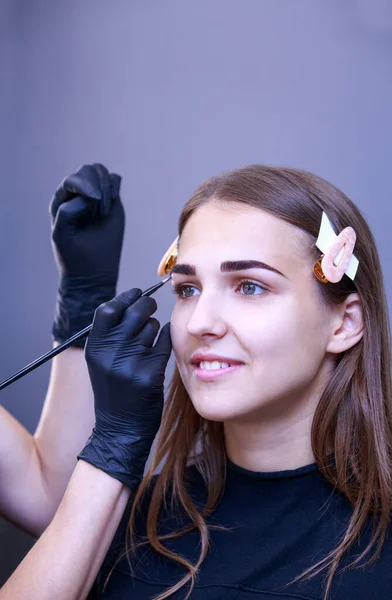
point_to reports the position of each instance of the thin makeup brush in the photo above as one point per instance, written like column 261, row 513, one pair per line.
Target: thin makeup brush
column 77, row 336
column 165, row 266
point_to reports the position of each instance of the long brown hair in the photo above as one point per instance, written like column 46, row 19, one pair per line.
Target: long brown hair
column 353, row 417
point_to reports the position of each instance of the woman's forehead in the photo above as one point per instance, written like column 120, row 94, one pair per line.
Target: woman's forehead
column 236, row 231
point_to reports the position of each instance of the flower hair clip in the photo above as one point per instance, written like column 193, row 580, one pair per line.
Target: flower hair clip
column 169, row 259
column 337, row 258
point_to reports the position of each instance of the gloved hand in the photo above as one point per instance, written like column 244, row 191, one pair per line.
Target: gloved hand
column 127, row 375
column 87, row 233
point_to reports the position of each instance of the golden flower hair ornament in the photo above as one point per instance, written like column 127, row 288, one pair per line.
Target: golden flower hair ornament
column 337, row 258
column 169, row 259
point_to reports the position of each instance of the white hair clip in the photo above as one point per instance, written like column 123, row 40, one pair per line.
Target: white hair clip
column 337, row 258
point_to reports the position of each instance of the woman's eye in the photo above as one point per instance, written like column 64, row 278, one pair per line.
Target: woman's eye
column 186, row 291
column 249, row 288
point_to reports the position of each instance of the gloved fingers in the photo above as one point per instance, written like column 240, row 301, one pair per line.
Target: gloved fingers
column 115, row 181
column 163, row 344
column 91, row 181
column 61, row 195
column 70, row 212
column 110, row 314
column 105, row 189
column 136, row 316
column 85, row 182
column 149, row 332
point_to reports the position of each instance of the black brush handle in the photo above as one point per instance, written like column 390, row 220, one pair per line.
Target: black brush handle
column 77, row 336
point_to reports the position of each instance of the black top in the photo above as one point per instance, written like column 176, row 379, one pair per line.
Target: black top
column 278, row 524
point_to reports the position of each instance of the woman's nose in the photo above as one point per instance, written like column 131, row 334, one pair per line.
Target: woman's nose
column 207, row 317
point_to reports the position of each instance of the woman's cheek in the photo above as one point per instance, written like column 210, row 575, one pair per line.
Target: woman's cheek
column 177, row 331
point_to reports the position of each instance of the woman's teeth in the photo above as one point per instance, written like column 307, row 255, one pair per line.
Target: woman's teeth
column 213, row 365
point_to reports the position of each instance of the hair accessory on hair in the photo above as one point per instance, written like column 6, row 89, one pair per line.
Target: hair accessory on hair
column 337, row 258
column 169, row 259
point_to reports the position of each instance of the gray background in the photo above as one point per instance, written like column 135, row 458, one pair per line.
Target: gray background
column 167, row 93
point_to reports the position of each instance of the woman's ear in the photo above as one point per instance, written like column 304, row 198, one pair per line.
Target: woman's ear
column 347, row 324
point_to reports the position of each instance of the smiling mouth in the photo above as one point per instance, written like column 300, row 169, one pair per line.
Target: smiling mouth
column 213, row 365
column 210, row 370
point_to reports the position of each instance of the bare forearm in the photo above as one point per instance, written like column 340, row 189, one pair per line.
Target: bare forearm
column 18, row 461
column 38, row 467
column 66, row 420
column 66, row 559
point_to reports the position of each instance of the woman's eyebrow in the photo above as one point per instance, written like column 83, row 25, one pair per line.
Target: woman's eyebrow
column 242, row 265
column 184, row 269
column 229, row 266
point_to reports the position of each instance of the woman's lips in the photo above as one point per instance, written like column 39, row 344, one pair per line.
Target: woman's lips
column 213, row 374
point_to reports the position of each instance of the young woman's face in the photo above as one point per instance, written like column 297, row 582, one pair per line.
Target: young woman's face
column 249, row 328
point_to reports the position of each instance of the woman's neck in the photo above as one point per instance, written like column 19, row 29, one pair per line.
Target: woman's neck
column 278, row 438
column 260, row 447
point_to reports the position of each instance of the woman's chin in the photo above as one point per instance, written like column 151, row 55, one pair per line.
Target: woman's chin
column 212, row 411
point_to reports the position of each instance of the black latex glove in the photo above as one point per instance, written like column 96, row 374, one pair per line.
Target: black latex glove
column 87, row 233
column 127, row 375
